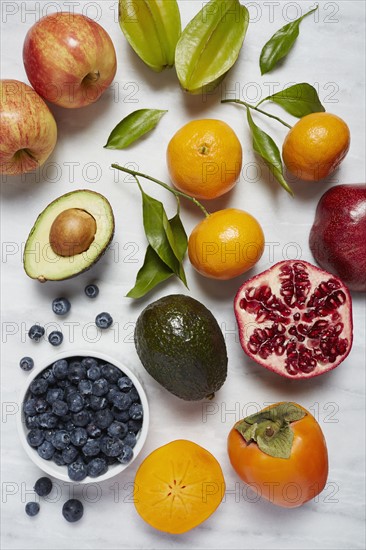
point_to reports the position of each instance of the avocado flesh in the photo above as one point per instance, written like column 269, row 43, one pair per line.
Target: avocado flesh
column 180, row 344
column 42, row 263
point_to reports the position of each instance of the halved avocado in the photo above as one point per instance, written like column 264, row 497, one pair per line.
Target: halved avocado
column 69, row 236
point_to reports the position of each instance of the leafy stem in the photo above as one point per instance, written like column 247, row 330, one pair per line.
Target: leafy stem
column 175, row 192
column 255, row 108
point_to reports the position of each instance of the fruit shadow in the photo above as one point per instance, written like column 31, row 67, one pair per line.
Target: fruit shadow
column 167, row 78
column 311, row 190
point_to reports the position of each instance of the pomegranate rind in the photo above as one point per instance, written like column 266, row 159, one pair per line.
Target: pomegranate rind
column 295, row 319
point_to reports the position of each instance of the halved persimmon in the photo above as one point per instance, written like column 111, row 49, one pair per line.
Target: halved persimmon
column 178, row 486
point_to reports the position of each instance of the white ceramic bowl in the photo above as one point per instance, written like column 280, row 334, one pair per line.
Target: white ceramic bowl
column 60, row 472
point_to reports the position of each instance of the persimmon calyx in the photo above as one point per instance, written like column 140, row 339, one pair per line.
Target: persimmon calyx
column 271, row 428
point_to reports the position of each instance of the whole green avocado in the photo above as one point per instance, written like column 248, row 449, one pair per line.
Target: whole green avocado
column 180, row 344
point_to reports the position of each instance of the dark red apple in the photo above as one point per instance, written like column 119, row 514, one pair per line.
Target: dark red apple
column 338, row 236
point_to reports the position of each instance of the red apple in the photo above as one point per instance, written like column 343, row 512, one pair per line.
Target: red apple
column 338, row 236
column 69, row 59
column 28, row 129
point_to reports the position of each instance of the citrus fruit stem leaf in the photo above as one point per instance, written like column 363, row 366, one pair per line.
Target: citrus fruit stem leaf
column 210, row 44
column 132, row 127
column 298, row 100
column 153, row 272
column 280, row 44
column 152, row 29
column 180, row 236
column 266, row 148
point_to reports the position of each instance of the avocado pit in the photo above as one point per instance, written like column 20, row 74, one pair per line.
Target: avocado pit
column 72, row 232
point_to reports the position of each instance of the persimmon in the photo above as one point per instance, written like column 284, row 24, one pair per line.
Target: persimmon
column 281, row 453
column 178, row 486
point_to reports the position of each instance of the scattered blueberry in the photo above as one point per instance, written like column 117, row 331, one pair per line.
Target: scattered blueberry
column 26, row 364
column 117, row 429
column 125, row 384
column 79, row 437
column 38, row 386
column 136, row 411
column 35, row 437
column 126, row 455
column 100, row 387
column 77, row 471
column 46, row 450
column 60, row 369
column 130, row 439
column 73, row 510
column 60, row 407
column 61, row 306
column 91, row 447
column 91, row 291
column 97, row 467
column 43, row 486
column 36, row 332
column 103, row 320
column 32, row 509
column 55, row 338
column 61, row 440
column 69, row 454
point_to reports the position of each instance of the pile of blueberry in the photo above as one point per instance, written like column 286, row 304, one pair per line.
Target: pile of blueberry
column 83, row 413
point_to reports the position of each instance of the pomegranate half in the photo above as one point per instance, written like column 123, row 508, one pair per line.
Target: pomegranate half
column 295, row 319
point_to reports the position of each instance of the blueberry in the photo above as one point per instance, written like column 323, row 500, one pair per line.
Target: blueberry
column 122, row 401
column 41, row 405
column 89, row 362
column 61, row 306
column 26, row 363
column 103, row 418
column 57, row 459
column 54, row 394
column 36, row 332
column 111, row 373
column 69, row 391
column 43, row 486
column 73, row 510
column 29, row 406
column 79, row 437
column 75, row 402
column 98, row 403
column 112, row 393
column 134, row 395
column 126, row 455
column 100, row 387
column 97, row 467
column 60, row 407
column 125, row 383
column 91, row 291
column 46, row 450
column 55, row 338
column 35, row 437
column 136, row 412
column 85, row 387
column 61, row 440
column 93, row 430
column 121, row 416
column 111, row 446
column 117, row 429
column 32, row 509
column 76, row 372
column 47, row 420
column 31, row 422
column 91, row 447
column 70, row 454
column 38, row 386
column 60, row 369
column 77, row 471
column 130, row 439
column 49, row 376
column 103, row 320
column 134, row 425
column 69, row 426
column 49, row 434
column 81, row 418
column 94, row 373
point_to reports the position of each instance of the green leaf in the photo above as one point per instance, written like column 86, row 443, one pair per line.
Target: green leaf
column 153, row 272
column 266, row 148
column 152, row 28
column 180, row 236
column 298, row 100
column 280, row 44
column 132, row 127
column 210, row 44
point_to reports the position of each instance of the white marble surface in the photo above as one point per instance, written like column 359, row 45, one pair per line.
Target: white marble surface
column 329, row 54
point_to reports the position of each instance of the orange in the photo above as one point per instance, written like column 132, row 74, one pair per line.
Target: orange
column 178, row 486
column 226, row 244
column 204, row 158
column 316, row 146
